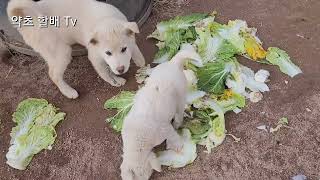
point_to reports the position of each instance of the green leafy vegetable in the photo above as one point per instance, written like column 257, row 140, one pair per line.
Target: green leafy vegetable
column 215, row 27
column 197, row 126
column 143, row 73
column 242, row 78
column 122, row 103
column 207, row 45
column 226, row 51
column 280, row 58
column 232, row 33
column 214, row 47
column 193, row 93
column 231, row 101
column 174, row 33
column 162, row 55
column 283, row 122
column 217, row 132
column 172, row 40
column 253, row 47
column 35, row 119
column 180, row 22
column 21, row 153
column 180, row 159
column 212, row 77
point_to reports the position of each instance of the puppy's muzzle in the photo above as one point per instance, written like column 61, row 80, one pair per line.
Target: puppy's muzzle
column 120, row 69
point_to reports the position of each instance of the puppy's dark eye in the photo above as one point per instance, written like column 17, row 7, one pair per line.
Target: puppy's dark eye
column 108, row 53
column 123, row 49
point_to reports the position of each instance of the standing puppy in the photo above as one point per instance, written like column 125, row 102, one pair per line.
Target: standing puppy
column 148, row 123
column 102, row 28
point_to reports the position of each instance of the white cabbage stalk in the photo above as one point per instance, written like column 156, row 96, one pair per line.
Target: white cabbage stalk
column 180, row 159
column 193, row 93
column 262, row 75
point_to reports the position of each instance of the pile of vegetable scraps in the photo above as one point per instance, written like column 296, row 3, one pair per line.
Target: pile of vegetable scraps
column 36, row 120
column 217, row 85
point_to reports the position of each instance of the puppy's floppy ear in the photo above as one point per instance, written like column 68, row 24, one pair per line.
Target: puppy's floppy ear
column 93, row 41
column 17, row 12
column 154, row 162
column 131, row 28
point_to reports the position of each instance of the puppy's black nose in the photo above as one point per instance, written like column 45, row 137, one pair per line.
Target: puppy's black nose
column 120, row 69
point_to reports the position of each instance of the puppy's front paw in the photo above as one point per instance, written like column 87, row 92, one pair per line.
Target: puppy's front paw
column 118, row 81
column 70, row 93
column 176, row 146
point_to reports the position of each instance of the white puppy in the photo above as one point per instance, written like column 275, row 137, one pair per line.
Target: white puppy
column 102, row 28
column 148, row 123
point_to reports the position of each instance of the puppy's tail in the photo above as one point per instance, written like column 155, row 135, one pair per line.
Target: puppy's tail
column 186, row 52
column 22, row 8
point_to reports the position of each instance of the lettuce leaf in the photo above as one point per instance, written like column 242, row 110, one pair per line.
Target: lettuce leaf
column 197, row 127
column 231, row 101
column 179, row 22
column 122, row 103
column 242, row 78
column 21, row 153
column 212, row 77
column 25, row 115
column 186, row 156
column 226, row 51
column 253, row 47
column 280, row 58
column 232, row 33
column 207, row 45
column 143, row 73
column 173, row 39
column 217, row 132
column 193, row 93
column 213, row 47
column 174, row 33
column 35, row 119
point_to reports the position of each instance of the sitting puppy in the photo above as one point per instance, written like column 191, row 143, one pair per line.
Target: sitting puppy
column 148, row 123
column 100, row 27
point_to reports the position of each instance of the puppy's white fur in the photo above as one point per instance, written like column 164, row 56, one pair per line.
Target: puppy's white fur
column 148, row 123
column 100, row 27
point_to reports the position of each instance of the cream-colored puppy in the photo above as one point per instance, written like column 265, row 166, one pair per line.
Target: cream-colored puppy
column 148, row 123
column 102, row 28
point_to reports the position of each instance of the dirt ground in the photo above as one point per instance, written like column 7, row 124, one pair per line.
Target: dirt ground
column 88, row 149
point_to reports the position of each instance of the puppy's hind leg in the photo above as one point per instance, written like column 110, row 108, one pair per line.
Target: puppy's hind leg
column 57, row 65
column 178, row 118
column 174, row 140
column 137, row 56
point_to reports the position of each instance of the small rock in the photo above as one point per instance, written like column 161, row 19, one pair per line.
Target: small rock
column 286, row 82
column 309, row 110
column 299, row 177
column 237, row 110
column 263, row 127
column 255, row 97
